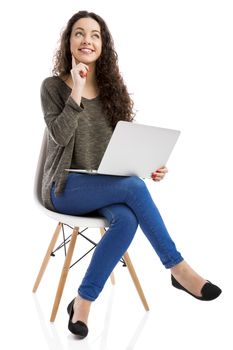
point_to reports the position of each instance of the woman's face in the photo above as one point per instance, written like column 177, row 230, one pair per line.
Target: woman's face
column 86, row 41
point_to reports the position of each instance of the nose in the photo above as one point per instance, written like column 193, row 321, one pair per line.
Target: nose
column 87, row 40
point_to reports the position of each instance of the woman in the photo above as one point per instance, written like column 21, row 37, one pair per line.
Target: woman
column 82, row 104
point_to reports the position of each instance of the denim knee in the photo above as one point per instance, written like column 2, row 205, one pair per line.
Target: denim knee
column 135, row 186
column 135, row 183
column 122, row 216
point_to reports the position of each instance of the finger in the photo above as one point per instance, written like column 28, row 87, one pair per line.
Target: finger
column 162, row 170
column 83, row 74
column 73, row 62
column 157, row 176
column 86, row 68
column 158, row 173
column 84, row 71
column 154, row 176
column 156, row 179
column 160, row 176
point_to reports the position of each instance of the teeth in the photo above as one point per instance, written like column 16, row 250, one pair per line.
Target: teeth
column 86, row 50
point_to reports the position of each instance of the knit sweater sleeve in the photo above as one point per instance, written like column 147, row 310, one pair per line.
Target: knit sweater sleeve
column 61, row 117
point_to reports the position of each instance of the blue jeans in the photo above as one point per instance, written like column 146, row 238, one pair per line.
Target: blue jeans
column 125, row 202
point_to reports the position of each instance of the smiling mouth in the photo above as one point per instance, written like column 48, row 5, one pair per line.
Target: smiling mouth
column 88, row 51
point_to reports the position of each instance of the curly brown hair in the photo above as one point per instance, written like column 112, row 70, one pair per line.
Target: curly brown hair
column 113, row 93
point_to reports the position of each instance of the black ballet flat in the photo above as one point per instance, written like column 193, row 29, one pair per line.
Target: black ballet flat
column 78, row 328
column 208, row 292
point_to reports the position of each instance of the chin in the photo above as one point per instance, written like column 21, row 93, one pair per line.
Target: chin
column 85, row 60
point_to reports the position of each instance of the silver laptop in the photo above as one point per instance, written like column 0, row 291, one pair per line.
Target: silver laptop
column 135, row 149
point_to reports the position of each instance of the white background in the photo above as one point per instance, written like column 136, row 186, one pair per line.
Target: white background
column 176, row 59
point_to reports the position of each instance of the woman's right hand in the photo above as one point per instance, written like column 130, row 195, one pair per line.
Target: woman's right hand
column 78, row 73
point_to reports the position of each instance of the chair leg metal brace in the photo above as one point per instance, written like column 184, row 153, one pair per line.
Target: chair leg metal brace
column 64, row 273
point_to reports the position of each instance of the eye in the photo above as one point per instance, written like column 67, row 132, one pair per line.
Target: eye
column 78, row 34
column 96, row 36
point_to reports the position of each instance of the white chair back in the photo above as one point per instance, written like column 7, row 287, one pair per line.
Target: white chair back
column 40, row 169
column 77, row 221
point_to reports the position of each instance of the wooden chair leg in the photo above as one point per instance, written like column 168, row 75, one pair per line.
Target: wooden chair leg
column 135, row 280
column 112, row 276
column 64, row 273
column 47, row 257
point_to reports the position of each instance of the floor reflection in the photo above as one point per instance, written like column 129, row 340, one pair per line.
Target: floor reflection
column 49, row 331
column 102, row 340
column 138, row 332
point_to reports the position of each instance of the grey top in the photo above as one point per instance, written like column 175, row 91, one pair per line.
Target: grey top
column 77, row 137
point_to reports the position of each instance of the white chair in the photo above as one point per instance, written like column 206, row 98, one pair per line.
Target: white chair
column 75, row 222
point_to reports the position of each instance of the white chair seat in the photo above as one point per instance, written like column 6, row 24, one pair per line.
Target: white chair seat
column 76, row 221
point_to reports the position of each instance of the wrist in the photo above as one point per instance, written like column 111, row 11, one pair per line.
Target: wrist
column 76, row 96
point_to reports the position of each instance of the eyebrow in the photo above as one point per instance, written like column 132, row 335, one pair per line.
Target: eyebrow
column 94, row 30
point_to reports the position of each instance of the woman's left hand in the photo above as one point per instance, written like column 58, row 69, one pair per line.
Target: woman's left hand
column 159, row 174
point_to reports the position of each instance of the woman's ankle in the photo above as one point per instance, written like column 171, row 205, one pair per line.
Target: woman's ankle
column 81, row 309
column 183, row 269
column 188, row 278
